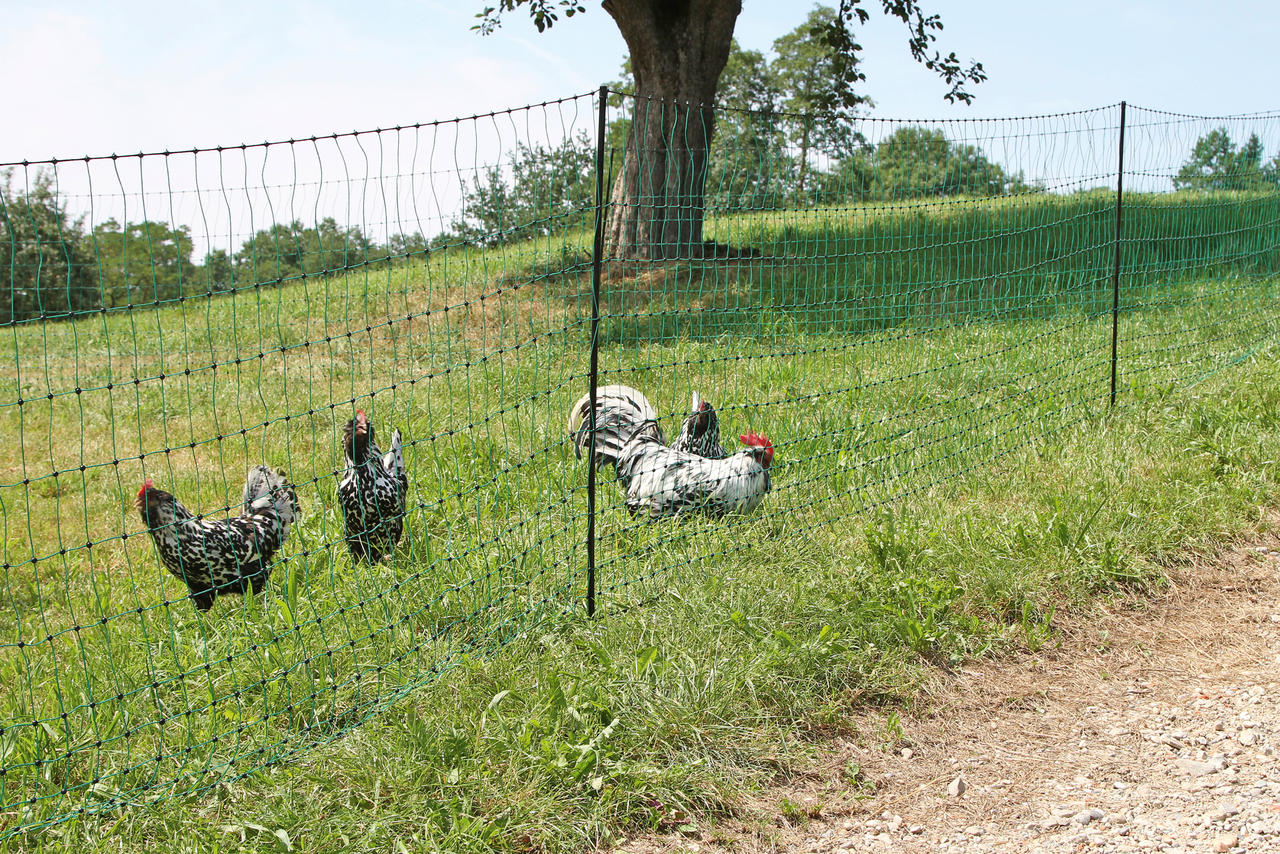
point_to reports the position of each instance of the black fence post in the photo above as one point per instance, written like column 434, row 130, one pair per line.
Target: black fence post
column 1115, row 271
column 593, row 372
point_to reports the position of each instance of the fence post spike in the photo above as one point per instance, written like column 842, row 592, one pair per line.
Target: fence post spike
column 593, row 372
column 1115, row 270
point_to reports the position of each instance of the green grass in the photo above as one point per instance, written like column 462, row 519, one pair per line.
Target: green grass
column 947, row 476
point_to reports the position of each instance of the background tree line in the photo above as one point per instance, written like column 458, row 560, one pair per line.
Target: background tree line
column 52, row 265
column 1217, row 164
column 767, row 153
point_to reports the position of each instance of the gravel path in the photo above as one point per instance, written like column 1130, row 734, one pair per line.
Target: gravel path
column 1152, row 729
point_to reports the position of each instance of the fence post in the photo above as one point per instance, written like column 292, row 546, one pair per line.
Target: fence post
column 1115, row 271
column 593, row 372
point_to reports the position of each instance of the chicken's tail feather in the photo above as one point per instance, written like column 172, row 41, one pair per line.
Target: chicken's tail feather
column 393, row 460
column 270, row 491
column 622, row 413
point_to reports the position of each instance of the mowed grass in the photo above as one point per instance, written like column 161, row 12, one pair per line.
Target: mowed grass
column 948, row 474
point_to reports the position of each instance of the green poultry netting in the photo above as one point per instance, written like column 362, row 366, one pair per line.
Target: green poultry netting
column 891, row 303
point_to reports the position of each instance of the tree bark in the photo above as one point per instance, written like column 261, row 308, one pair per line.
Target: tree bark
column 678, row 49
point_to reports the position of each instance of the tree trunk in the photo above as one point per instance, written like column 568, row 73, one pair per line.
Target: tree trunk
column 678, row 49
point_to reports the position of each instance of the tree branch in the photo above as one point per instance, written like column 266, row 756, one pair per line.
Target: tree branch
column 922, row 30
column 543, row 12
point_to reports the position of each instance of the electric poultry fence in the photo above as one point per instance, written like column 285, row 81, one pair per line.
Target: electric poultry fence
column 895, row 303
column 177, row 318
column 875, row 307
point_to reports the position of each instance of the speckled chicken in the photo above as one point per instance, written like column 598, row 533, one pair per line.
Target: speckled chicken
column 214, row 557
column 372, row 492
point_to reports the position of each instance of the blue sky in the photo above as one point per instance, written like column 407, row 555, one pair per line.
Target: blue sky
column 96, row 78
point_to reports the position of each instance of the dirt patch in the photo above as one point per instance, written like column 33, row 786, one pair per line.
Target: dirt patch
column 1148, row 726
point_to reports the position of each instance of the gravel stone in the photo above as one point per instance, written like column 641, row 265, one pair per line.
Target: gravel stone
column 1198, row 768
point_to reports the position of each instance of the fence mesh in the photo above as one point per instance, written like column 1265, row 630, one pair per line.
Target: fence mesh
column 893, row 303
column 313, row 293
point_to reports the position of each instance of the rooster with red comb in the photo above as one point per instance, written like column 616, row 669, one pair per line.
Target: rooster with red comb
column 666, row 481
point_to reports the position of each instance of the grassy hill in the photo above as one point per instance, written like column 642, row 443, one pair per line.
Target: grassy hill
column 934, row 375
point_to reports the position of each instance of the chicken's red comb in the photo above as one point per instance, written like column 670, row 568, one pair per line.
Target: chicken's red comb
column 755, row 440
column 146, row 484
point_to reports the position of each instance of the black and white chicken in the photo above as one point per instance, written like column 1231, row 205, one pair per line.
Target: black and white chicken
column 372, row 492
column 665, row 481
column 219, row 556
